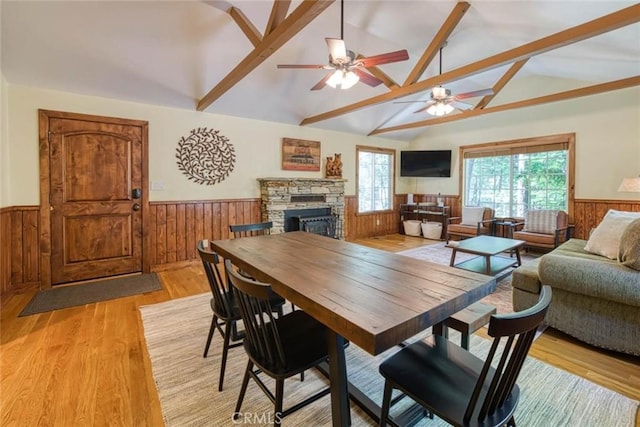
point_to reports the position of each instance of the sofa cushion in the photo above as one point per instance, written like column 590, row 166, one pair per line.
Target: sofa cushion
column 607, row 280
column 535, row 238
column 629, row 250
column 605, row 239
column 543, row 221
column 526, row 277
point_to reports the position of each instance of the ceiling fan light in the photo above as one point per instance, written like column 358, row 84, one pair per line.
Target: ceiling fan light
column 335, row 79
column 349, row 79
column 439, row 109
column 447, row 108
column 343, row 79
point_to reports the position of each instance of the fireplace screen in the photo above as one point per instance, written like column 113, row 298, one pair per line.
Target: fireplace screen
column 323, row 225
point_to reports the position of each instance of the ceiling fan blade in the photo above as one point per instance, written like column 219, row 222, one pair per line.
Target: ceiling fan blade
column 483, row 92
column 385, row 58
column 367, row 78
column 316, row 67
column 461, row 105
column 322, row 83
column 429, row 104
column 410, row 102
column 337, row 49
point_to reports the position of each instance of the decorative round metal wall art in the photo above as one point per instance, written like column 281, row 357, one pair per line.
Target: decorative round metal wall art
column 206, row 156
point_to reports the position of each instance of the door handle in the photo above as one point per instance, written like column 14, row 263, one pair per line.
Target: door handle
column 136, row 193
column 136, row 206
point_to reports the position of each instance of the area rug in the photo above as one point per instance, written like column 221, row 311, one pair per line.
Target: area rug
column 440, row 254
column 87, row 293
column 176, row 331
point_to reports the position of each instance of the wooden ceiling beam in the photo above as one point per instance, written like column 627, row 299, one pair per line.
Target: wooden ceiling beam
column 246, row 26
column 278, row 13
column 306, row 12
column 381, row 75
column 506, row 78
column 561, row 96
column 438, row 41
column 613, row 21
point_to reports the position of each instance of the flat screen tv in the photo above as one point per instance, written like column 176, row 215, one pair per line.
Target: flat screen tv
column 430, row 163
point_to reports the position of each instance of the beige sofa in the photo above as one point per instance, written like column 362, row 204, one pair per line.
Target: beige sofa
column 595, row 299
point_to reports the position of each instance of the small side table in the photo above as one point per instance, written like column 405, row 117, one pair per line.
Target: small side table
column 506, row 227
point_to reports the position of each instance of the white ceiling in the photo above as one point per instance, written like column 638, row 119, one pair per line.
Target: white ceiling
column 172, row 53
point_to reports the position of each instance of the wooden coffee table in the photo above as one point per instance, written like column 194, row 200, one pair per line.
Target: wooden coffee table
column 488, row 248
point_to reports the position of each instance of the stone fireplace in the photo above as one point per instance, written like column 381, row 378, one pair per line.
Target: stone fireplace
column 288, row 202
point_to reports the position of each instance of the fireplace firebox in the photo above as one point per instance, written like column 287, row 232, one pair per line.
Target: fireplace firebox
column 316, row 220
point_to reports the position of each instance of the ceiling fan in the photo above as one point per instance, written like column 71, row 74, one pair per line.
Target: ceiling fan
column 347, row 68
column 442, row 102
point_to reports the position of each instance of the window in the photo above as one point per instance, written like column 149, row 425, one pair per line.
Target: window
column 375, row 178
column 515, row 177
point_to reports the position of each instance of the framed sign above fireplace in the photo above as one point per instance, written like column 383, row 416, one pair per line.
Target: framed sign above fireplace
column 300, row 155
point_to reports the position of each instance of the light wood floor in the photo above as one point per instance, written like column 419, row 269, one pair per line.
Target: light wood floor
column 89, row 366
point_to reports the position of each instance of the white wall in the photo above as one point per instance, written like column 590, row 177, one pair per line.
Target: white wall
column 257, row 145
column 4, row 145
column 4, row 148
column 607, row 128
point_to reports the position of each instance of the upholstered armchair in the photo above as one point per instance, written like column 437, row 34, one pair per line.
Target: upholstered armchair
column 543, row 229
column 475, row 221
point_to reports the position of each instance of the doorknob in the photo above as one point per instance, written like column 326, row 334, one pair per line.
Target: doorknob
column 136, row 206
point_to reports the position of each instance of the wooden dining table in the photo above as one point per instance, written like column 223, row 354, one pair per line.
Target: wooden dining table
column 372, row 298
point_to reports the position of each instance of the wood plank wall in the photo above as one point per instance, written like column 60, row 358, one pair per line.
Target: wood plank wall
column 19, row 248
column 379, row 224
column 174, row 228
column 588, row 213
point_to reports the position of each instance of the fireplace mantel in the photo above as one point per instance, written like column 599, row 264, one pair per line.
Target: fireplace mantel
column 281, row 194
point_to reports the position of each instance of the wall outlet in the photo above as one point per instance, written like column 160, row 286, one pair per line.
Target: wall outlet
column 157, row 185
column 377, row 222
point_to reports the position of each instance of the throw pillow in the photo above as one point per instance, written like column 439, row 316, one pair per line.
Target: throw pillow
column 629, row 251
column 472, row 215
column 541, row 221
column 605, row 239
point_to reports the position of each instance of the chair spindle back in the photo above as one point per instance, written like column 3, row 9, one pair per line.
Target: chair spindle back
column 518, row 329
column 222, row 295
column 262, row 338
column 248, row 230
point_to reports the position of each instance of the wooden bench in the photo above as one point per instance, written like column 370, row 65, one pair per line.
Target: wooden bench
column 466, row 321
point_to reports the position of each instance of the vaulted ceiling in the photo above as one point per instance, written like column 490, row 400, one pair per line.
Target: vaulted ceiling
column 221, row 57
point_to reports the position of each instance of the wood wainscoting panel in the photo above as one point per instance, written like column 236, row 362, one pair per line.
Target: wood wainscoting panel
column 382, row 223
column 370, row 224
column 175, row 227
column 589, row 212
column 20, row 252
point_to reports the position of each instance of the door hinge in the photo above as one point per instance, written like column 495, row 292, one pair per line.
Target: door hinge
column 49, row 135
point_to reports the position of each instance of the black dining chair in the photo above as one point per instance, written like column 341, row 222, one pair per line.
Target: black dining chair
column 225, row 307
column 248, row 230
column 278, row 347
column 457, row 386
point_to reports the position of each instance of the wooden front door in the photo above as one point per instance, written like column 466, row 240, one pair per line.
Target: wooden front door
column 95, row 196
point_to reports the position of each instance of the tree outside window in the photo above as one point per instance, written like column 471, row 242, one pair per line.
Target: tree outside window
column 515, row 178
column 375, row 179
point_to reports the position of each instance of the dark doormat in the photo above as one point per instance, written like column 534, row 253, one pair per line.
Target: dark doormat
column 87, row 293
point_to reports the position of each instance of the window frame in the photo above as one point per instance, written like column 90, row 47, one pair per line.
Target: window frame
column 568, row 138
column 392, row 178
